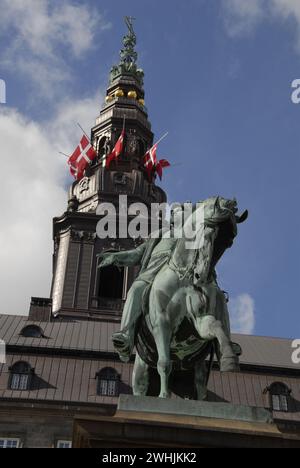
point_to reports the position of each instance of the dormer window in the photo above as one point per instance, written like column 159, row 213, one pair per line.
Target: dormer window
column 21, row 374
column 32, row 331
column 108, row 382
column 279, row 396
column 9, row 443
column 64, row 444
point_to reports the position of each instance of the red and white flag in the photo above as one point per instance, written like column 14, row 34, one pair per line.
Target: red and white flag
column 82, row 156
column 162, row 163
column 152, row 165
column 118, row 148
column 150, row 161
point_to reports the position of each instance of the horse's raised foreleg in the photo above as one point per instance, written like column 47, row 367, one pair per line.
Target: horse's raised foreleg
column 140, row 377
column 209, row 328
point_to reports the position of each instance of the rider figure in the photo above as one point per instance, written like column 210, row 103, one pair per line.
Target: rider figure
column 152, row 255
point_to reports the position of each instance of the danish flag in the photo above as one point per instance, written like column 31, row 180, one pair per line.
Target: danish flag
column 80, row 159
column 118, row 148
column 152, row 165
column 150, row 161
column 162, row 163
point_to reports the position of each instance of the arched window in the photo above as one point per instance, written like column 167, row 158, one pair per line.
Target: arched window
column 279, row 396
column 108, row 382
column 111, row 282
column 102, row 146
column 21, row 374
column 32, row 331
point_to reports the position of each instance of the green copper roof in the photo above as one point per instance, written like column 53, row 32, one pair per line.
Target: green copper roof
column 128, row 56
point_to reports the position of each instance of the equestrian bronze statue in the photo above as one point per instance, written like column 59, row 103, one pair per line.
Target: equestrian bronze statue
column 175, row 314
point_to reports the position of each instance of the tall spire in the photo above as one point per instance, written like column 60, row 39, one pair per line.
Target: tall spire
column 77, row 291
column 128, row 56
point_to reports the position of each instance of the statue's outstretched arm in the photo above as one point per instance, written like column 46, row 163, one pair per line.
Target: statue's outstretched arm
column 123, row 258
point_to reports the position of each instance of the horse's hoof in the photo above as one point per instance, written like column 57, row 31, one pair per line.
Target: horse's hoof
column 229, row 364
column 165, row 395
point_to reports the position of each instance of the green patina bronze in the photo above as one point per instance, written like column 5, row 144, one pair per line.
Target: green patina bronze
column 128, row 56
column 175, row 312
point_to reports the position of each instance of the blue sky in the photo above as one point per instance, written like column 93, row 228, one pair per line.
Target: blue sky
column 217, row 77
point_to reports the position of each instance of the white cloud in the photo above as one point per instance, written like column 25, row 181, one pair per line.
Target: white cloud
column 242, row 317
column 41, row 36
column 241, row 17
column 32, row 192
column 289, row 10
column 287, row 7
column 70, row 112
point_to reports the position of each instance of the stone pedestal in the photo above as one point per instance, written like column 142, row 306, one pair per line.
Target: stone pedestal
column 194, row 408
column 144, row 422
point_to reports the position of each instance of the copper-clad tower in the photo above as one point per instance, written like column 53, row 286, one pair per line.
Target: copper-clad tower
column 78, row 288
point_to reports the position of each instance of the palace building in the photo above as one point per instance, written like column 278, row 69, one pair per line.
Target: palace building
column 63, row 383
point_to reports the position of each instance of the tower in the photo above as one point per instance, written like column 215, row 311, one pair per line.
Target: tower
column 79, row 289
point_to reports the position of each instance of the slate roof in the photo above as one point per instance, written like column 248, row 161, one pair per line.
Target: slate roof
column 77, row 335
column 89, row 336
column 72, row 380
column 62, row 379
column 67, row 359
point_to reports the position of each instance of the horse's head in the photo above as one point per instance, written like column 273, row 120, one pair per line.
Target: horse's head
column 221, row 213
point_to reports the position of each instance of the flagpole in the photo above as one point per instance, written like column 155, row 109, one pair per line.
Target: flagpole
column 104, row 156
column 86, row 135
column 83, row 131
column 123, row 131
column 161, row 138
column 64, row 154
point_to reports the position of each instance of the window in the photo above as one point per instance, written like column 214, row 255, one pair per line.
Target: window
column 9, row 443
column 21, row 374
column 279, row 396
column 64, row 444
column 279, row 402
column 32, row 331
column 111, row 282
column 103, row 146
column 108, row 382
column 19, row 381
